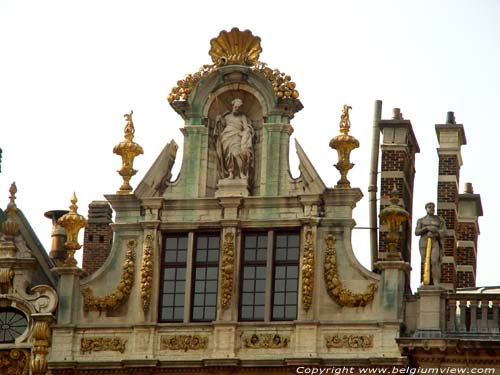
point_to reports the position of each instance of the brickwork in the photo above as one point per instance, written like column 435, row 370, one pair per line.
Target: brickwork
column 98, row 236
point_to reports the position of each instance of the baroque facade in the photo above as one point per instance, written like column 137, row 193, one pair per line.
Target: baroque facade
column 234, row 266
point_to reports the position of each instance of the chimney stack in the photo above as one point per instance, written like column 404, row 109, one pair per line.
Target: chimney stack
column 58, row 251
column 98, row 236
column 451, row 138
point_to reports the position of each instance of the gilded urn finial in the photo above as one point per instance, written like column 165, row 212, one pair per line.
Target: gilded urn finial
column 344, row 144
column 393, row 216
column 10, row 227
column 128, row 150
column 72, row 222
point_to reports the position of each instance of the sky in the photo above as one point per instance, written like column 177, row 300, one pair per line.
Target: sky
column 69, row 70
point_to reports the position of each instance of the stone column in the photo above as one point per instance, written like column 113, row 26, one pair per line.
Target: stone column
column 451, row 137
column 399, row 146
column 68, row 290
column 469, row 210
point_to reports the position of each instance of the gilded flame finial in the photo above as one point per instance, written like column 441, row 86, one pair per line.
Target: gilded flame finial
column 10, row 227
column 128, row 150
column 235, row 48
column 393, row 216
column 72, row 222
column 344, row 144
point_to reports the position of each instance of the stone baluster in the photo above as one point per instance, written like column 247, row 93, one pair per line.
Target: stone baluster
column 452, row 315
column 473, row 316
column 462, row 308
column 483, row 324
column 494, row 322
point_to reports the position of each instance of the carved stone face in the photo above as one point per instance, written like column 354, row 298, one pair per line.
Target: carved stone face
column 237, row 104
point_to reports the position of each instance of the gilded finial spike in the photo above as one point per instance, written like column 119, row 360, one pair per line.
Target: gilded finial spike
column 10, row 227
column 72, row 222
column 11, row 207
column 73, row 201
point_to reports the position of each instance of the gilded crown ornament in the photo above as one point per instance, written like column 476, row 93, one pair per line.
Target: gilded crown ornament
column 128, row 150
column 235, row 48
column 72, row 222
column 393, row 216
column 344, row 144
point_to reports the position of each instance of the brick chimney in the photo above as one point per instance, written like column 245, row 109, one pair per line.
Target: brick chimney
column 469, row 210
column 98, row 236
column 398, row 147
column 451, row 138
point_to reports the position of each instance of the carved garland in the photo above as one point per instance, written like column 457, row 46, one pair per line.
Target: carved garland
column 101, row 344
column 183, row 342
column 343, row 296
column 308, row 271
column 15, row 361
column 349, row 341
column 266, row 341
column 147, row 272
column 227, row 270
column 122, row 291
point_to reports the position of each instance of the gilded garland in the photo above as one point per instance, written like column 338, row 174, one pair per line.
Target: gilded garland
column 183, row 342
column 147, row 272
column 101, row 344
column 343, row 296
column 235, row 48
column 121, row 292
column 266, row 341
column 349, row 341
column 227, row 270
column 308, row 271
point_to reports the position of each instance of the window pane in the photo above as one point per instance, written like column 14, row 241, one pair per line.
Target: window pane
column 250, row 241
column 247, row 298
column 197, row 313
column 210, row 313
column 278, row 312
column 213, row 243
column 279, row 298
column 279, row 285
column 250, row 254
column 293, row 240
column 181, row 273
column 170, row 256
column 248, row 286
column 262, row 254
column 291, row 272
column 246, row 312
column 290, row 312
column 167, row 313
column 201, row 256
column 182, row 243
column 213, row 255
column 211, row 286
column 291, row 284
column 199, row 287
column 211, row 299
column 171, row 243
column 259, row 313
column 291, row 298
column 260, row 273
column 212, row 273
column 280, row 272
column 198, row 300
column 179, row 299
column 168, row 299
column 260, row 298
column 181, row 256
column 260, row 285
column 201, row 242
column 179, row 313
column 280, row 254
column 263, row 241
column 280, row 241
column 249, row 272
column 200, row 274
column 293, row 253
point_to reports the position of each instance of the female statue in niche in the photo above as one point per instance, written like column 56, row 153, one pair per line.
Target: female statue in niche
column 234, row 133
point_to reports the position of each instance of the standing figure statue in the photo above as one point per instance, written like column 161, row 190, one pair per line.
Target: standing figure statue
column 234, row 134
column 431, row 229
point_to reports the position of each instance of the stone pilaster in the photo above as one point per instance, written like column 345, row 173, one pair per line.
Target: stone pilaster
column 68, row 290
column 469, row 210
column 451, row 137
column 399, row 146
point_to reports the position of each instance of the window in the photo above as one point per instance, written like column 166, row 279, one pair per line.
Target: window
column 270, row 262
column 189, row 277
column 13, row 323
column 174, row 278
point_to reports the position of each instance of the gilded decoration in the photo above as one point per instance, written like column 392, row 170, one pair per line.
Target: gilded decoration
column 308, row 270
column 128, row 150
column 344, row 144
column 349, row 341
column 235, row 48
column 183, row 342
column 101, row 344
column 343, row 296
column 393, row 216
column 227, row 270
column 10, row 227
column 266, row 341
column 147, row 272
column 14, row 362
column 122, row 291
column 72, row 222
column 41, row 335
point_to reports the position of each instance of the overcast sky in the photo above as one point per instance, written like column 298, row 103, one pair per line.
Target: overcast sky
column 69, row 70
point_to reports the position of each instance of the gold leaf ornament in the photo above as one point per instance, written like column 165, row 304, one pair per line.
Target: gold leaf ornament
column 235, row 48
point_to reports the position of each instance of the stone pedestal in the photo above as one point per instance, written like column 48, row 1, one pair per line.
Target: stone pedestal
column 431, row 311
column 392, row 289
column 68, row 289
column 232, row 187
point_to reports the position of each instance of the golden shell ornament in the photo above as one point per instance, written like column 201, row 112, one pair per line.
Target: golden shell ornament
column 235, row 48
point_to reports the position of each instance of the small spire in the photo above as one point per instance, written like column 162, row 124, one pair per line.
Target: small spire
column 10, row 227
column 73, row 201
column 11, row 207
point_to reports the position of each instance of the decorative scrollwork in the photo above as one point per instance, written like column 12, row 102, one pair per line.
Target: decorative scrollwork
column 349, row 341
column 147, row 272
column 266, row 341
column 343, row 296
column 121, row 292
column 14, row 361
column 227, row 270
column 101, row 344
column 183, row 342
column 308, row 270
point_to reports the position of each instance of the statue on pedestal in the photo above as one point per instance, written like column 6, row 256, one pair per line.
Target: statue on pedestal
column 431, row 229
column 234, row 133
